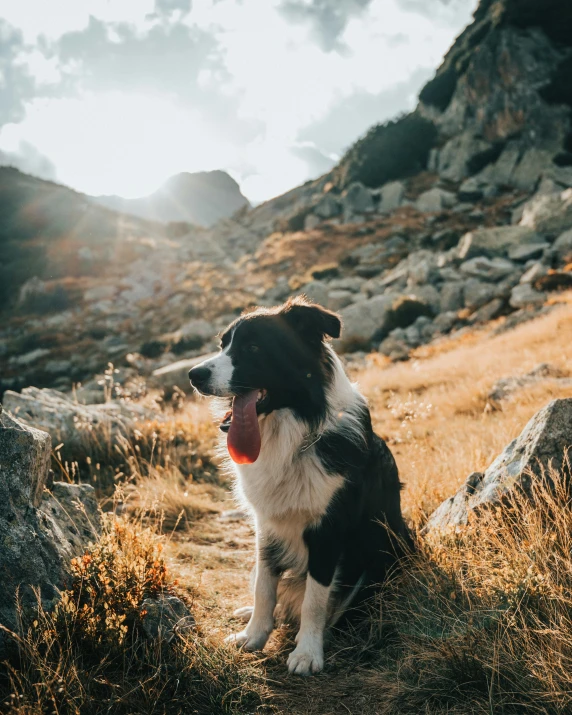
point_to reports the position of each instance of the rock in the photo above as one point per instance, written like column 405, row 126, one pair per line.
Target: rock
column 406, row 309
column 488, row 269
column 563, row 246
column 32, row 288
column 391, row 196
column 494, row 241
column 351, row 283
column 421, row 267
column 554, row 280
column 311, row 222
column 524, row 295
column 457, row 154
column 543, row 442
column 176, row 374
column 503, row 388
column 451, row 296
column 527, row 252
column 40, row 532
column 58, row 367
column 530, row 168
column 79, row 427
column 357, row 199
column 445, row 321
column 338, row 299
column 426, row 294
column 435, row 200
column 29, row 358
column 472, row 189
column 537, row 270
column 165, row 617
column 324, row 271
column 99, row 293
column 394, row 348
column 193, row 335
column 364, row 322
column 328, row 207
column 316, row 291
column 476, row 293
column 550, row 214
column 489, row 311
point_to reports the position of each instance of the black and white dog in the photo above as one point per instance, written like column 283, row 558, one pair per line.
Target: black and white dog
column 323, row 488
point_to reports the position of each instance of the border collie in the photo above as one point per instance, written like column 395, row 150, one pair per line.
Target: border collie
column 322, row 487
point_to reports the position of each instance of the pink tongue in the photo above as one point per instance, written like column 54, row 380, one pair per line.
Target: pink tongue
column 243, row 439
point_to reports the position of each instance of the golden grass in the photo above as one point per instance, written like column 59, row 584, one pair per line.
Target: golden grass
column 433, row 409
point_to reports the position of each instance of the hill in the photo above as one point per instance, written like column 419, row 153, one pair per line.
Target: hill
column 201, row 199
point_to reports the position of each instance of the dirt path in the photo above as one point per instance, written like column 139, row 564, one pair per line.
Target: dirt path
column 213, row 564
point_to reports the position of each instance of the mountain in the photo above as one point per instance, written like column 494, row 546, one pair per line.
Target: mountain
column 201, row 198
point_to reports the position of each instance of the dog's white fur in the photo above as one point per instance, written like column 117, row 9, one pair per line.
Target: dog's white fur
column 287, row 489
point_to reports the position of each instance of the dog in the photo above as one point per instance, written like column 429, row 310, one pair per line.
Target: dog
column 322, row 487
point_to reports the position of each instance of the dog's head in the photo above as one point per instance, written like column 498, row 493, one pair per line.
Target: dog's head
column 272, row 359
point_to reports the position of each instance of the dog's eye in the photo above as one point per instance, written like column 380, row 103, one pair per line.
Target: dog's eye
column 253, row 348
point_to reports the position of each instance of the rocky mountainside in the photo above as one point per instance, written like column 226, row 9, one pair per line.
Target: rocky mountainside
column 200, row 199
column 454, row 215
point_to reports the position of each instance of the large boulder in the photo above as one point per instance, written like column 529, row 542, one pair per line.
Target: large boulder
column 328, row 207
column 357, row 199
column 494, row 241
column 544, row 442
column 549, row 213
column 176, row 374
column 435, row 200
column 42, row 525
column 364, row 322
column 391, row 196
column 77, row 426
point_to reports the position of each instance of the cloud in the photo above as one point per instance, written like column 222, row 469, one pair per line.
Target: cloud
column 327, row 19
column 29, row 160
column 16, row 83
column 165, row 7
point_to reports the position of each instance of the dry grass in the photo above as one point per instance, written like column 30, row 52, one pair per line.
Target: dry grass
column 479, row 621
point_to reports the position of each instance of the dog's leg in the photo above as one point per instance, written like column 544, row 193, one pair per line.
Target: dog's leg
column 308, row 656
column 261, row 623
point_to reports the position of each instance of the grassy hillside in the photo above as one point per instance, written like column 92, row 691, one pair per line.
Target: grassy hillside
column 479, row 623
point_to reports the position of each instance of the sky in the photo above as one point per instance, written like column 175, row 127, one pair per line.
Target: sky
column 115, row 96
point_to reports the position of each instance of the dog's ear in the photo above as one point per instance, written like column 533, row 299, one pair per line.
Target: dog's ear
column 311, row 319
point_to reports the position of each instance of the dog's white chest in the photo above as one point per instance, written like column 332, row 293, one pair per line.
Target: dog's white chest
column 288, row 477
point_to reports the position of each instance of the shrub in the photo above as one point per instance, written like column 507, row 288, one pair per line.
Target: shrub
column 389, row 151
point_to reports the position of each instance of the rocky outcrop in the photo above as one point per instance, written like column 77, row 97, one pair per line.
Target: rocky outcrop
column 42, row 524
column 78, row 426
column 543, row 443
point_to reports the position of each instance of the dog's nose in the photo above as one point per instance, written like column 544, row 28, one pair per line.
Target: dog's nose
column 199, row 375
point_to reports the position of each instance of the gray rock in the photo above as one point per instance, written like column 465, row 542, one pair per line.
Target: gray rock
column 486, row 268
column 435, row 200
column 530, row 168
column 542, row 443
column 79, row 427
column 357, row 199
column 328, row 207
column 311, row 222
column 563, row 246
column 550, row 214
column 351, row 283
column 524, row 295
column 494, row 241
column 165, row 617
column 500, row 173
column 29, row 358
column 338, row 299
column 365, row 321
column 506, row 386
column 476, row 293
column 316, row 291
column 456, row 155
column 535, row 271
column 472, row 189
column 104, row 292
column 444, row 322
column 391, row 196
column 527, row 252
column 489, row 311
column 452, row 298
column 40, row 531
column 176, row 374
column 58, row 367
column 394, row 348
column 426, row 294
column 32, row 288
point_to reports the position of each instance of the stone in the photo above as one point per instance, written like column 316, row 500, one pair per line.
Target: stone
column 527, row 252
column 165, row 617
column 406, row 309
column 391, row 196
column 563, row 246
column 489, row 311
column 535, row 271
column 41, row 530
column 445, row 321
column 193, row 335
column 549, row 214
column 328, row 207
column 311, row 222
column 364, row 322
column 451, row 298
column 176, row 374
column 455, row 157
column 543, row 443
column 506, row 386
column 421, row 267
column 32, row 288
column 58, row 367
column 494, row 241
column 524, row 295
column 501, row 171
column 435, row 200
column 394, row 348
column 476, row 293
column 351, row 283
column 316, row 291
column 472, row 189
column 427, row 294
column 29, row 358
column 338, row 299
column 528, row 171
column 104, row 292
column 489, row 269
column 357, row 199
column 79, row 427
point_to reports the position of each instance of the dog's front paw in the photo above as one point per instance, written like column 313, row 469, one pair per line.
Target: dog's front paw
column 248, row 640
column 306, row 660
